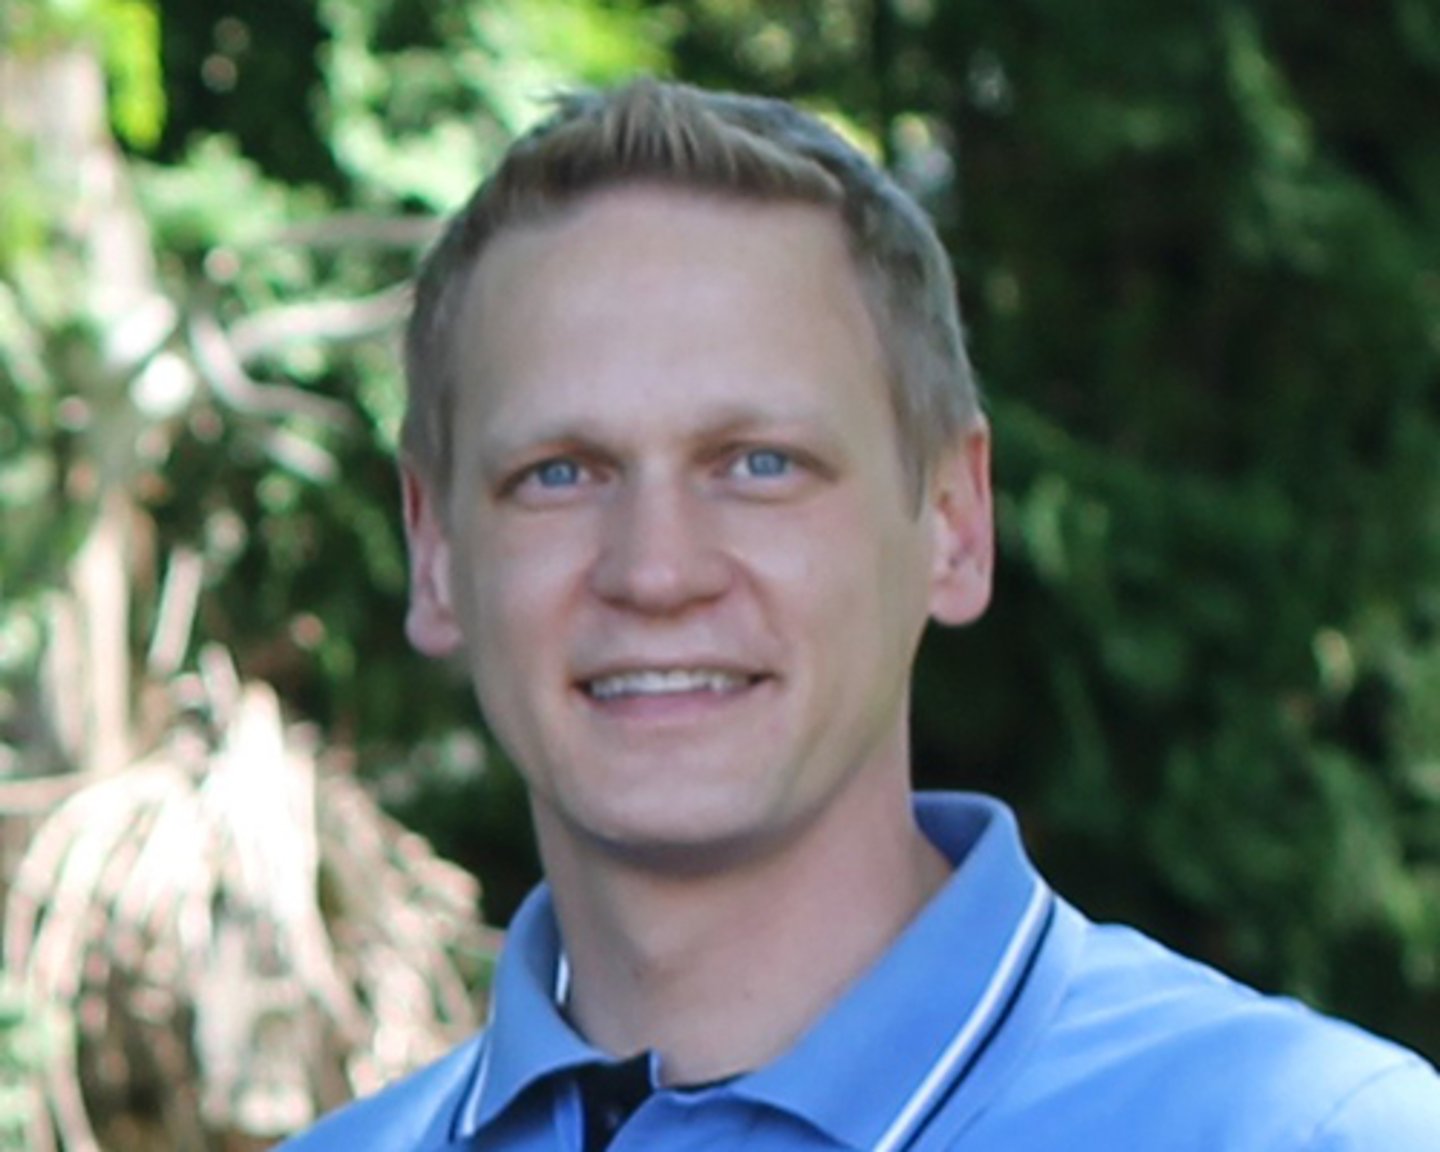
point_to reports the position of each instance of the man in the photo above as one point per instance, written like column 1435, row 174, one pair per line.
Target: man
column 693, row 454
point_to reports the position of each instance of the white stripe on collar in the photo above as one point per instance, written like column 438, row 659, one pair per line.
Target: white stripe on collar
column 562, row 981
column 1017, row 953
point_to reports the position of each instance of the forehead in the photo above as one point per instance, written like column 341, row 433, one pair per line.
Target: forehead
column 629, row 233
column 672, row 292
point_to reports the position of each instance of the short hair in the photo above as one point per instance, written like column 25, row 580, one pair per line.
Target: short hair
column 653, row 132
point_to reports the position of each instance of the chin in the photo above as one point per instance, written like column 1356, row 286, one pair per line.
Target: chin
column 672, row 840
column 675, row 858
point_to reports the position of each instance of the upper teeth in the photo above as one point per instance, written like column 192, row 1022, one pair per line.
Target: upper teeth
column 657, row 683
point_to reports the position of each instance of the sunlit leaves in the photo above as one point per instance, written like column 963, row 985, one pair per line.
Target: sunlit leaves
column 421, row 100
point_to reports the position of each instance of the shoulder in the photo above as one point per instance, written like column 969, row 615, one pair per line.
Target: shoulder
column 415, row 1114
column 1397, row 1110
column 1178, row 1045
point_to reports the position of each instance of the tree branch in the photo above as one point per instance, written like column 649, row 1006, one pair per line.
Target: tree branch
column 347, row 229
column 217, row 360
column 266, row 331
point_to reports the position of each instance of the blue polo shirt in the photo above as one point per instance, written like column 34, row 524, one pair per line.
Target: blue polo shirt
column 1000, row 1019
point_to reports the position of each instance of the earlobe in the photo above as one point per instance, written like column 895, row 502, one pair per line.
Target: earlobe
column 963, row 517
column 430, row 622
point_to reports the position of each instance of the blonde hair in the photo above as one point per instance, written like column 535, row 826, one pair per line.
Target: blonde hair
column 744, row 146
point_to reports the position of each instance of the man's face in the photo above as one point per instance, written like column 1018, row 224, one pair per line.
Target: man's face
column 678, row 551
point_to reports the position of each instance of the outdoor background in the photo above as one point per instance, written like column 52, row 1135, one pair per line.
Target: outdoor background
column 1198, row 249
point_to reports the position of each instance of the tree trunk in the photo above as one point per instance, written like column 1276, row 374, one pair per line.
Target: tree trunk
column 53, row 102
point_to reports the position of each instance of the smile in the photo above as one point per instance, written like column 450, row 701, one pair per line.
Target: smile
column 666, row 682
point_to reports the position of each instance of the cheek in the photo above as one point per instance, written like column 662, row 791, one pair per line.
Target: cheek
column 519, row 584
column 512, row 637
column 836, row 584
column 846, row 550
column 868, row 591
column 790, row 565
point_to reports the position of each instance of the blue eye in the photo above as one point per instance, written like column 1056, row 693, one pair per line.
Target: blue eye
column 559, row 473
column 764, row 463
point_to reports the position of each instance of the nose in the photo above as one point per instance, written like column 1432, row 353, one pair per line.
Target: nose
column 659, row 551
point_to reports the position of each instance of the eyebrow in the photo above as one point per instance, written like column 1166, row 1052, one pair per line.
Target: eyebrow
column 730, row 420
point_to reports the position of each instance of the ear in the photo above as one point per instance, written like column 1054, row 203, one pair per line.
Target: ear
column 958, row 503
column 430, row 623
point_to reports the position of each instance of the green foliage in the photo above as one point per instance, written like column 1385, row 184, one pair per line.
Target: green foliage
column 22, row 225
column 421, row 96
column 128, row 32
column 1197, row 260
column 130, row 39
column 30, row 1037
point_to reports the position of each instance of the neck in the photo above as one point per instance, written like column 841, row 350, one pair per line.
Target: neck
column 721, row 972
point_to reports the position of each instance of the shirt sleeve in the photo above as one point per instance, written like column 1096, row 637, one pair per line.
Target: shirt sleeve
column 1396, row 1110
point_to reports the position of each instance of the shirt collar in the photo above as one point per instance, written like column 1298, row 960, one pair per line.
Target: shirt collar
column 870, row 1070
column 528, row 1037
